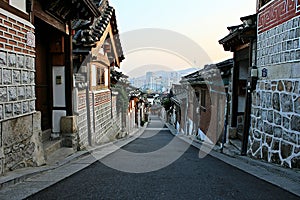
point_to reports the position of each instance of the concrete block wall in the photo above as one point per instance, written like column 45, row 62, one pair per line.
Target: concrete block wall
column 275, row 118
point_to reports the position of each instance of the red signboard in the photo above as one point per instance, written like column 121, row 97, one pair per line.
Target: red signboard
column 277, row 12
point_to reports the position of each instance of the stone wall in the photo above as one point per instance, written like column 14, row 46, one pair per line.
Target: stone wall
column 275, row 118
column 20, row 131
column 275, row 122
column 21, row 143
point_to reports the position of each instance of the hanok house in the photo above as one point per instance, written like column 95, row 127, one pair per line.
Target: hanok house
column 96, row 49
column 20, row 129
column 275, row 117
column 241, row 41
column 178, row 99
column 205, row 104
column 54, row 63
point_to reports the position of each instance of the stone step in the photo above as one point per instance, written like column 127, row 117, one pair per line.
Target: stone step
column 46, row 135
column 51, row 146
column 59, row 155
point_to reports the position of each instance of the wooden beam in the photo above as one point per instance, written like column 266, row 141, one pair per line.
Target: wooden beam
column 41, row 14
column 112, row 39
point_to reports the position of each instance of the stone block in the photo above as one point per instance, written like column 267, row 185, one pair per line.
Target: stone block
column 295, row 123
column 12, row 94
column 295, row 162
column 275, row 158
column 21, row 93
column 25, row 78
column 12, row 61
column 3, row 58
column 286, row 103
column 286, row 123
column 277, row 118
column 256, row 145
column 278, row 132
column 286, row 150
column 7, row 76
column 8, row 110
column 270, row 116
column 29, row 62
column 16, row 130
column 265, row 153
column 269, row 140
column 297, row 34
column 276, row 101
column 296, row 88
column 25, row 107
column 32, row 106
column 31, row 77
column 296, row 43
column 297, row 150
column 288, row 86
column 3, row 94
column 17, row 108
column 20, row 61
column 289, row 137
column 298, row 55
column 28, row 92
column 37, row 118
column 268, row 128
column 38, row 155
column 275, row 145
column 16, row 76
column 297, row 105
column 68, row 124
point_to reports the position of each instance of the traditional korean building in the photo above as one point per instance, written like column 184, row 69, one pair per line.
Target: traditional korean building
column 275, row 115
column 96, row 49
column 42, row 47
column 241, row 40
column 198, row 103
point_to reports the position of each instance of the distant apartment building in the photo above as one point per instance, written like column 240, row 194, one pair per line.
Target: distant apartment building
column 161, row 81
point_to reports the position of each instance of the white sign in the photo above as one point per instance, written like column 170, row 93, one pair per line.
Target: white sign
column 30, row 39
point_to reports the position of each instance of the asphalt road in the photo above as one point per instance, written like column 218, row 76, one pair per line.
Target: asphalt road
column 138, row 171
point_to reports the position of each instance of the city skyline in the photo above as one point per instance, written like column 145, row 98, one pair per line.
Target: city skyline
column 203, row 22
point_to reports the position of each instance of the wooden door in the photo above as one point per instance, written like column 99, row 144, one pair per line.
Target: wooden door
column 43, row 83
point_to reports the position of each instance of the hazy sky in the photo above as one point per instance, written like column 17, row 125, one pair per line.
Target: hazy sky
column 204, row 22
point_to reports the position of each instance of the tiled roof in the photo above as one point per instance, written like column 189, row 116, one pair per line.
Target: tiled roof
column 88, row 32
column 71, row 9
column 239, row 34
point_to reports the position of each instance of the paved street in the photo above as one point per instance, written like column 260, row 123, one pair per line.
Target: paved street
column 187, row 178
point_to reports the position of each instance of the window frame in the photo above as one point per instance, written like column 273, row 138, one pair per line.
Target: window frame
column 12, row 9
column 98, row 79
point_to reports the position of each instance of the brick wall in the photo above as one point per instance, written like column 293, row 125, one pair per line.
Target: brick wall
column 275, row 118
column 102, row 115
column 82, row 120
